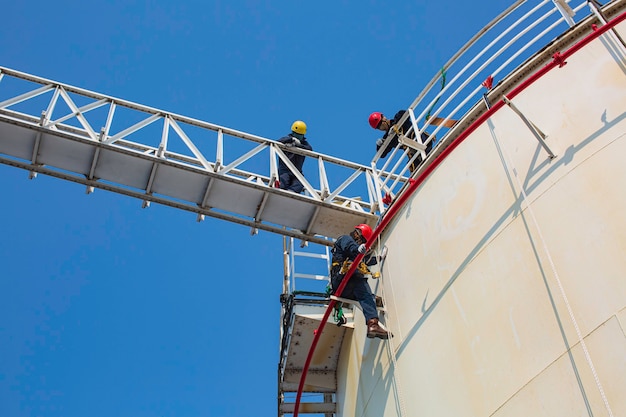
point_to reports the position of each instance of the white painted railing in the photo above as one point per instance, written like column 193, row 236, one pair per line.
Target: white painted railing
column 181, row 140
column 487, row 59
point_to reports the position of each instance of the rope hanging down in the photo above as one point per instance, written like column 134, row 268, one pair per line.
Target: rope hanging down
column 443, row 84
column 438, row 121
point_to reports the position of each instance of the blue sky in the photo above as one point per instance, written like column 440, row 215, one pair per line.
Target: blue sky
column 108, row 309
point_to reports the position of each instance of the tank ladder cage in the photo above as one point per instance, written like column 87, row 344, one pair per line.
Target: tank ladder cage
column 456, row 91
column 306, row 274
column 310, row 257
column 158, row 156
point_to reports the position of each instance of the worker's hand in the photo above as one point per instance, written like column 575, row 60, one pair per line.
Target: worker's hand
column 362, row 248
column 380, row 142
column 296, row 142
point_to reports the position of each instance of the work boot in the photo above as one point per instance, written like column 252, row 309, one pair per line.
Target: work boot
column 374, row 330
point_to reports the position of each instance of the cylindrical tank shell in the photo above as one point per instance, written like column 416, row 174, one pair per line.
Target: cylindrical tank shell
column 505, row 278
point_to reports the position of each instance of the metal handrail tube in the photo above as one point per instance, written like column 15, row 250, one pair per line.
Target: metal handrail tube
column 469, row 64
column 504, row 48
column 465, row 47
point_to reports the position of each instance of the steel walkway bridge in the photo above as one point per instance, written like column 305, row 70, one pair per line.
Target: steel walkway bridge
column 103, row 142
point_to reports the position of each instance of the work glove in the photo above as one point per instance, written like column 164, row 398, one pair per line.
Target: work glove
column 296, row 142
column 380, row 142
column 362, row 248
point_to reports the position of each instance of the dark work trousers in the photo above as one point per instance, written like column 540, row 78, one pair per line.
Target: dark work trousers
column 289, row 182
column 358, row 289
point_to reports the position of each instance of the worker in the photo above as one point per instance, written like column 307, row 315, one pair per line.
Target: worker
column 378, row 121
column 287, row 179
column 345, row 250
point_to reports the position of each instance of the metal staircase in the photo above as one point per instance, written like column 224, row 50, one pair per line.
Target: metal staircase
column 157, row 156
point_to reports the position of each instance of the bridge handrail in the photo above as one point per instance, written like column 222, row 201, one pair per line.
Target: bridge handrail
column 44, row 98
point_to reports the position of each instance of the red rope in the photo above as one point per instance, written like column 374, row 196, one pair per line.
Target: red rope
column 413, row 185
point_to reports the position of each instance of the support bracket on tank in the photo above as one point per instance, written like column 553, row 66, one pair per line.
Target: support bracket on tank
column 537, row 133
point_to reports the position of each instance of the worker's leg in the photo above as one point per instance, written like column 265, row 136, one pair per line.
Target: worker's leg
column 285, row 179
column 366, row 299
column 335, row 280
column 347, row 290
column 296, row 186
column 358, row 289
column 362, row 292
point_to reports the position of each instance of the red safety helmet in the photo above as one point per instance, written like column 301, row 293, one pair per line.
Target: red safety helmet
column 375, row 119
column 366, row 231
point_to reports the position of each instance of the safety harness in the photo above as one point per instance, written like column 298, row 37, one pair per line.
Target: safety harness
column 362, row 268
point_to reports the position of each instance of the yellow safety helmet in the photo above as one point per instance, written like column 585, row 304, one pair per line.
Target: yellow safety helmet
column 299, row 127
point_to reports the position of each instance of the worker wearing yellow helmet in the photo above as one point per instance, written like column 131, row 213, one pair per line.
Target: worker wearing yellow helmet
column 299, row 127
column 287, row 179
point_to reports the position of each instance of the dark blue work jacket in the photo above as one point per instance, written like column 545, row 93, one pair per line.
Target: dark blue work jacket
column 295, row 159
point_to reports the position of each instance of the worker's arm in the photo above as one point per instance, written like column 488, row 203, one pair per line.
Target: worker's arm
column 304, row 144
column 348, row 247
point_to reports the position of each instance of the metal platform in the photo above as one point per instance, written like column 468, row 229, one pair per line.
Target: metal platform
column 302, row 320
column 156, row 156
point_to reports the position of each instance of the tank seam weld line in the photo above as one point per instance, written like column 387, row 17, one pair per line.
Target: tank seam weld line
column 560, row 284
column 403, row 198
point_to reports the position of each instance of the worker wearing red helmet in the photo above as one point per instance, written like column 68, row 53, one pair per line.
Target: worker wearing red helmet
column 345, row 250
column 378, row 121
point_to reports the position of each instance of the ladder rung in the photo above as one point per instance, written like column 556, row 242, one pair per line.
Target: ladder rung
column 310, row 276
column 309, row 408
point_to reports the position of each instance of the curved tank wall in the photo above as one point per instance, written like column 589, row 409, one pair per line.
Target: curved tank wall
column 505, row 274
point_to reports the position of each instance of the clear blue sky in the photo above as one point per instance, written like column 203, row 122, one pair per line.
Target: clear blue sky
column 108, row 309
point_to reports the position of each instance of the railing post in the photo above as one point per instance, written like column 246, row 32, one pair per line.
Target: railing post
column 566, row 11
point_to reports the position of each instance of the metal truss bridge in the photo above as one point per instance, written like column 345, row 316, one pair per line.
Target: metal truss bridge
column 103, row 142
